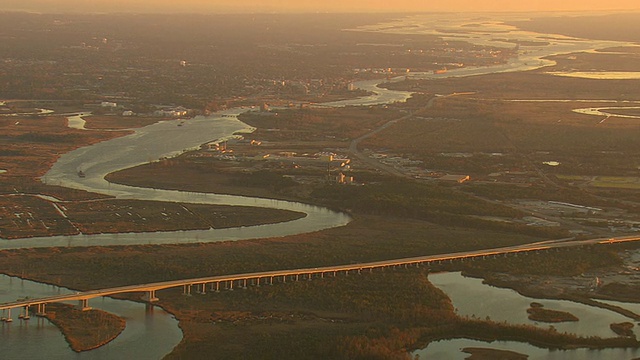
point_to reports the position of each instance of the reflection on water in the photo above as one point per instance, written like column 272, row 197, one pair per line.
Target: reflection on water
column 452, row 350
column 480, row 29
column 610, row 111
column 470, row 297
column 149, row 334
column 601, row 75
column 154, row 142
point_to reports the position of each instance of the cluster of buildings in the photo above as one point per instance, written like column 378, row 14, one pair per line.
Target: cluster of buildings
column 157, row 111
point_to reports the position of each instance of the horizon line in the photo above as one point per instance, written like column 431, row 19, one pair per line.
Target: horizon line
column 405, row 12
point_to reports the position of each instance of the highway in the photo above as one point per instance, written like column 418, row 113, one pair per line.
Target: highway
column 221, row 282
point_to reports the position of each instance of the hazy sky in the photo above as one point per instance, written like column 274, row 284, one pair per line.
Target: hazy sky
column 314, row 5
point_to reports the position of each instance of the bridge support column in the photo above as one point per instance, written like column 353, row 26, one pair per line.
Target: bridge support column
column 257, row 282
column 218, row 286
column 8, row 319
column 26, row 315
column 309, row 278
column 231, row 285
column 83, row 304
column 244, row 284
column 271, row 281
column 186, row 290
column 203, row 289
column 41, row 311
column 150, row 296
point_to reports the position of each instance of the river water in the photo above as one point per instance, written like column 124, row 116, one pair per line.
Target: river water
column 152, row 337
column 472, row 298
column 150, row 333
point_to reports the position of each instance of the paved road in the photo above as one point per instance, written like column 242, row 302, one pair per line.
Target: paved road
column 353, row 147
column 267, row 277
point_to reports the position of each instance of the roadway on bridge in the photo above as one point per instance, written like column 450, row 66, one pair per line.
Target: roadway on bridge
column 309, row 272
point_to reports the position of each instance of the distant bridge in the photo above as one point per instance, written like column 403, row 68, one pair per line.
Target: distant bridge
column 229, row 282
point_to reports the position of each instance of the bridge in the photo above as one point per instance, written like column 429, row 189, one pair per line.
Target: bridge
column 229, row 282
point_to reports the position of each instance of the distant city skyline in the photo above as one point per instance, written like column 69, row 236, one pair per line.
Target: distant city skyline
column 288, row 6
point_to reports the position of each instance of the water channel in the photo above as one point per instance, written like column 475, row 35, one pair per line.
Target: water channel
column 150, row 333
column 154, row 336
column 472, row 298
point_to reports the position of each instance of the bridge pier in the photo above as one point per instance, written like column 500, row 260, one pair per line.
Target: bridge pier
column 150, row 296
column 83, row 304
column 186, row 290
column 310, row 276
column 231, row 285
column 41, row 310
column 8, row 319
column 202, row 288
column 271, row 281
column 244, row 284
column 25, row 315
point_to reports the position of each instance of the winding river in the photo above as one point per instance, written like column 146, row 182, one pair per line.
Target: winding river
column 165, row 139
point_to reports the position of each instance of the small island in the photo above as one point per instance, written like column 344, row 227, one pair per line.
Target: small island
column 74, row 324
column 623, row 329
column 537, row 312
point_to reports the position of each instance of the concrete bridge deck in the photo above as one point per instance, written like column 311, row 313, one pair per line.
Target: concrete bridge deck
column 267, row 277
